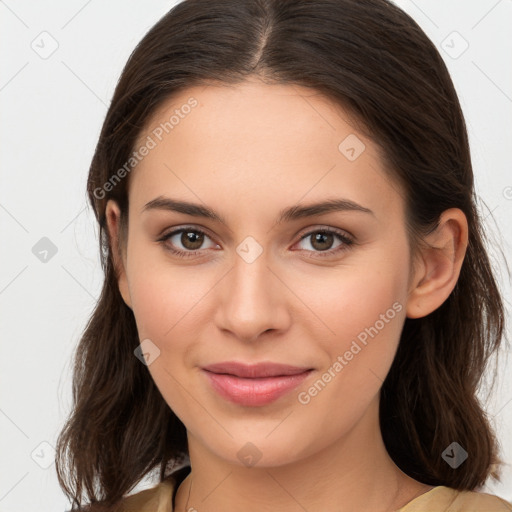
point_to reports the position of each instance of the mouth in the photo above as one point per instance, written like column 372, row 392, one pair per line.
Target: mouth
column 254, row 385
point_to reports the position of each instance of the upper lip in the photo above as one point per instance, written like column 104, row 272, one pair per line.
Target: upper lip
column 265, row 369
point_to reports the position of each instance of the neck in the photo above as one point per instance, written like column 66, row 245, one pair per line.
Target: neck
column 355, row 473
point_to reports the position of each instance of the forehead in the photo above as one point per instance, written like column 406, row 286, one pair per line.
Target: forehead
column 255, row 112
column 283, row 142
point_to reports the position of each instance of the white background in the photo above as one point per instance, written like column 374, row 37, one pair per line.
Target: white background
column 52, row 110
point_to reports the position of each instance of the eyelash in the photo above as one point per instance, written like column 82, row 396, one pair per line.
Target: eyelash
column 347, row 242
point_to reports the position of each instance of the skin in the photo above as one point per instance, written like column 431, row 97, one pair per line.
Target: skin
column 248, row 151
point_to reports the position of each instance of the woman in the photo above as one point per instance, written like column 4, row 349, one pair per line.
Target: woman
column 298, row 305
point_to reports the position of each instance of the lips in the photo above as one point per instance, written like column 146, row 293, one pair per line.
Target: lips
column 254, row 385
column 255, row 371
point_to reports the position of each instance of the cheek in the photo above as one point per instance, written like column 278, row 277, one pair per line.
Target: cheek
column 349, row 300
column 362, row 310
column 165, row 295
column 167, row 305
column 367, row 322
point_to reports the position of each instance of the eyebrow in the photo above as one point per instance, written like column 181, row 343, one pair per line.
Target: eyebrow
column 285, row 215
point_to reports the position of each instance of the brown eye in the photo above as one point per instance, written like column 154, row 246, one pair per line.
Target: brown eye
column 322, row 241
column 192, row 240
column 185, row 242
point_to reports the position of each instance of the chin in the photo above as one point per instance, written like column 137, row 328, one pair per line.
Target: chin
column 260, row 449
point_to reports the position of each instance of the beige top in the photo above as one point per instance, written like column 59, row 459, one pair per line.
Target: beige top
column 439, row 499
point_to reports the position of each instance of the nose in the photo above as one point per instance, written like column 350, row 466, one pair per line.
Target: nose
column 252, row 300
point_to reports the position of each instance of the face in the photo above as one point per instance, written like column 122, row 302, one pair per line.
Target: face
column 321, row 289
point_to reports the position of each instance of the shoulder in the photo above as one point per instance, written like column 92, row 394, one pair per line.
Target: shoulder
column 158, row 498
column 441, row 499
column 155, row 499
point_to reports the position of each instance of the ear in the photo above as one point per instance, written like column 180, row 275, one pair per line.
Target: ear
column 113, row 216
column 439, row 265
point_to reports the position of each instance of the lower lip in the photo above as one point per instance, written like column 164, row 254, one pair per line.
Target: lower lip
column 254, row 392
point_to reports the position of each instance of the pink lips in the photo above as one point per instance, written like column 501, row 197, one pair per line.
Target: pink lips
column 254, row 385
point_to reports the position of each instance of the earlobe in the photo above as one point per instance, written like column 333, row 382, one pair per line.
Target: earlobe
column 113, row 217
column 437, row 276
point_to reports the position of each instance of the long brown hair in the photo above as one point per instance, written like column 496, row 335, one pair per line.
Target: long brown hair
column 375, row 61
